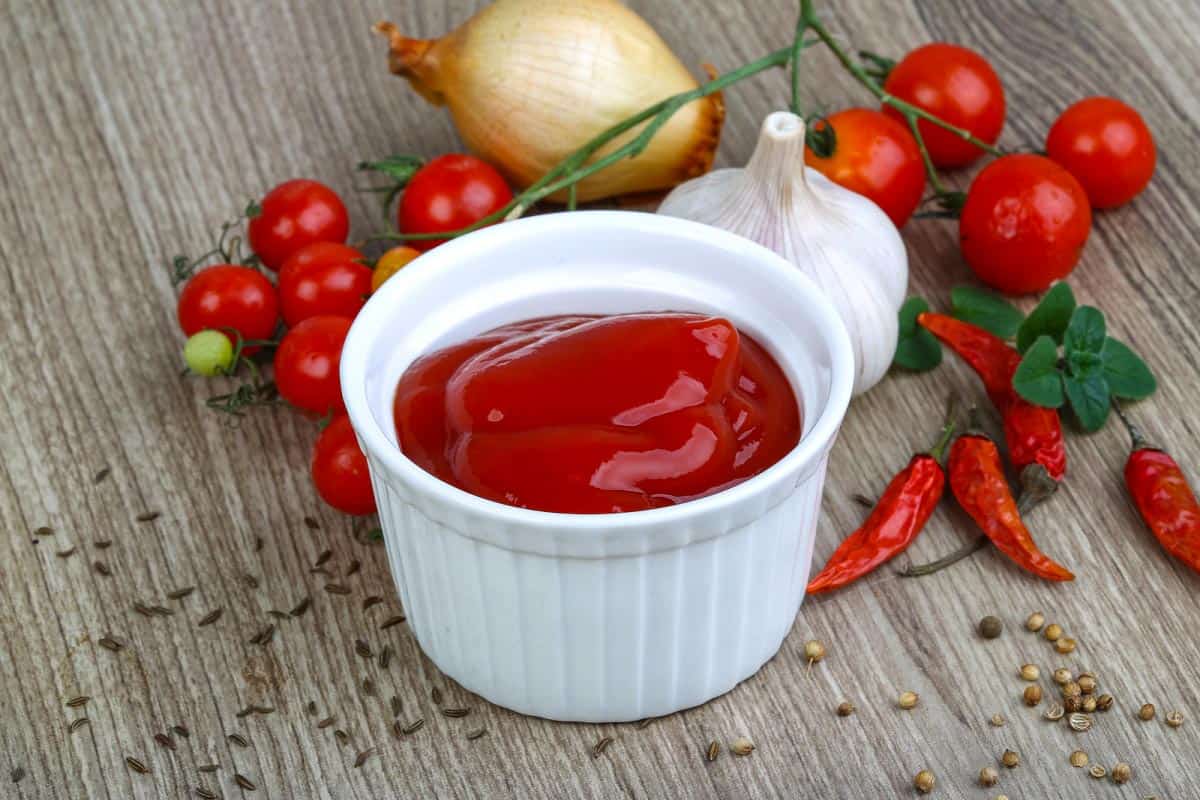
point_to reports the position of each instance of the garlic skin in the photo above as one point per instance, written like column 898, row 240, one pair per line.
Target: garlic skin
column 528, row 82
column 840, row 239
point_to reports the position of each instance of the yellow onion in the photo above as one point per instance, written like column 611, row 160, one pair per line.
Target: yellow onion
column 530, row 81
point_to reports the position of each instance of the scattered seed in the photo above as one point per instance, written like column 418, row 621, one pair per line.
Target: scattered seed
column 312, row 524
column 136, row 766
column 205, row 794
column 325, row 723
column 741, row 746
column 76, row 724
column 207, row 768
column 1073, row 704
column 70, row 551
column 390, row 621
column 413, row 727
column 111, row 643
column 341, row 736
column 475, row 734
column 17, row 774
column 1146, row 712
column 1089, row 704
column 1079, row 722
column 988, row 776
column 336, row 588
column 1174, row 718
column 164, row 740
column 908, row 700
column 180, row 593
column 354, row 567
column 1087, row 683
column 325, row 556
column 1065, row 645
column 435, row 694
column 396, row 707
column 1030, row 672
column 599, row 747
column 1055, row 712
column 990, row 627
column 1104, row 702
column 373, row 600
column 142, row 609
column 101, row 475
column 1121, row 772
column 244, row 782
column 148, row 516
column 181, row 730
column 238, row 739
column 210, row 617
column 101, row 568
column 1010, row 758
column 45, row 530
column 362, row 648
column 845, row 708
column 385, row 656
column 814, row 651
column 455, row 712
column 1032, row 695
column 1079, row 759
column 368, row 686
column 1062, row 676
column 102, row 544
column 714, row 750
column 1071, row 689
column 250, row 580
column 76, row 702
column 1097, row 771
column 264, row 636
column 924, row 781
column 362, row 757
column 997, row 720
column 1053, row 632
column 862, row 500
column 301, row 607
column 1035, row 621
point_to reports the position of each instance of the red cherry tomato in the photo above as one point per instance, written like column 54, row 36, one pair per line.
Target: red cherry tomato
column 306, row 364
column 1106, row 145
column 448, row 193
column 1024, row 223
column 877, row 157
column 293, row 214
column 229, row 296
column 339, row 469
column 957, row 85
column 323, row 278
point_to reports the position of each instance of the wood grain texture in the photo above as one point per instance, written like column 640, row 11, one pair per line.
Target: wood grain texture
column 131, row 129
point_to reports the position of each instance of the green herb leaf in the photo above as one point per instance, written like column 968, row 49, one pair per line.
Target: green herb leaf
column 1085, row 332
column 1127, row 375
column 987, row 310
column 1037, row 378
column 1050, row 318
column 1089, row 399
column 917, row 350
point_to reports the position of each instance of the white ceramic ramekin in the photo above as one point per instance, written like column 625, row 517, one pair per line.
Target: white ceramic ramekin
column 605, row 617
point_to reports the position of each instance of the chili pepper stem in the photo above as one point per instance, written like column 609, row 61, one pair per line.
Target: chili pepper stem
column 946, row 434
column 1135, row 433
column 916, row 571
column 1036, row 486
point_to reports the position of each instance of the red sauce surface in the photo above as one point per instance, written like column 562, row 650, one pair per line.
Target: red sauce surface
column 593, row 415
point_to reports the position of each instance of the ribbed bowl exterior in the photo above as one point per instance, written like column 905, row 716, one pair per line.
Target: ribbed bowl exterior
column 605, row 639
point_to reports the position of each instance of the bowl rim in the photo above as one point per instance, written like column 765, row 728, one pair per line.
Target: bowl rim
column 375, row 440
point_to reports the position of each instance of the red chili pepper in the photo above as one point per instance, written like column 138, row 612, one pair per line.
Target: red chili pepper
column 1162, row 495
column 896, row 520
column 978, row 483
column 1033, row 433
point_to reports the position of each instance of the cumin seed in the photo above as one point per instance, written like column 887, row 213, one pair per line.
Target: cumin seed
column 385, row 656
column 211, row 617
column 341, row 736
column 101, row 475
column 325, row 723
column 326, row 554
column 164, row 741
column 76, row 702
column 148, row 516
column 336, row 588
column 65, row 553
column 181, row 730
column 435, row 694
column 301, row 607
column 714, row 750
column 373, row 600
column 136, row 766
column 264, row 636
column 102, row 544
column 396, row 707
column 205, row 794
column 76, row 724
column 362, row 757
column 44, row 530
column 245, row 712
column 312, row 524
column 207, row 768
column 142, row 609
column 180, row 593
column 244, row 782
column 390, row 621
column 413, row 727
column 354, row 567
column 455, row 712
column 101, row 568
column 362, row 648
column 111, row 643
column 601, row 746
column 475, row 734
column 238, row 739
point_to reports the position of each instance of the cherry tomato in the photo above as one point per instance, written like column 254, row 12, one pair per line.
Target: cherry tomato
column 306, row 364
column 390, row 263
column 448, row 193
column 323, row 278
column 229, row 296
column 293, row 214
column 208, row 353
column 1024, row 223
column 339, row 469
column 957, row 85
column 877, row 157
column 1106, row 145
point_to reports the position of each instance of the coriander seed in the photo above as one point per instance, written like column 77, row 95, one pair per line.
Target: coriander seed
column 990, row 627
column 1010, row 758
column 1054, row 713
column 1032, row 695
column 1146, row 712
column 924, row 781
column 1121, row 772
column 908, row 700
column 1097, row 771
column 1079, row 722
column 1073, row 703
column 1053, row 632
column 997, row 720
column 1065, row 645
column 1089, row 704
column 814, row 651
column 1062, row 676
column 1087, row 683
column 1030, row 672
column 741, row 746
column 988, row 776
column 1071, row 689
column 845, row 709
column 1079, row 759
column 1104, row 702
column 1174, row 718
column 1035, row 621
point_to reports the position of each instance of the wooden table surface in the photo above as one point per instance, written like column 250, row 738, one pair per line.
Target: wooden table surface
column 131, row 129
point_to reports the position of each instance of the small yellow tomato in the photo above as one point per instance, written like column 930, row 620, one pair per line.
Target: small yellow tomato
column 390, row 263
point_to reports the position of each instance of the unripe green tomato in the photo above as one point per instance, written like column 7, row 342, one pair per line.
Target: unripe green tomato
column 208, row 353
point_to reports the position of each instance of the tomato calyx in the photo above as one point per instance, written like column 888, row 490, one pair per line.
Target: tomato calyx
column 399, row 169
column 877, row 66
column 255, row 390
column 821, row 138
column 227, row 247
column 945, row 204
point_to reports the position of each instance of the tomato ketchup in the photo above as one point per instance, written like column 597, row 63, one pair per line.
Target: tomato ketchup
column 598, row 414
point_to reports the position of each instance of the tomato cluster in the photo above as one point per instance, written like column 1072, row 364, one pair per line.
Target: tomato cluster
column 1025, row 218
column 232, row 311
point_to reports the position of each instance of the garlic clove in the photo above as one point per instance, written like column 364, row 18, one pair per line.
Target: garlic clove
column 840, row 239
column 529, row 82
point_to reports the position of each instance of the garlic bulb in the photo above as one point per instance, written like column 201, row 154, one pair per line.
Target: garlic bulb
column 838, row 238
column 530, row 81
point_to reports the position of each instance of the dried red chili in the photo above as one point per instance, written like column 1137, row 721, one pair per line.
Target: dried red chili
column 896, row 520
column 1033, row 433
column 1163, row 497
column 978, row 483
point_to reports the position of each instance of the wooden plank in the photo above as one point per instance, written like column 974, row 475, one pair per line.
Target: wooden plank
column 132, row 129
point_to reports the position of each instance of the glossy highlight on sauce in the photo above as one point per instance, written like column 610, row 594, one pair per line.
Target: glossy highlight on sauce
column 591, row 415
